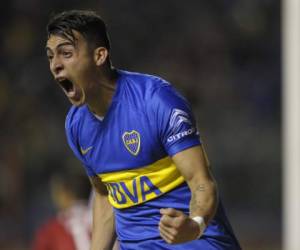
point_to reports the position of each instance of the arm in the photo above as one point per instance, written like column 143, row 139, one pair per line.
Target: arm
column 194, row 166
column 103, row 234
column 175, row 226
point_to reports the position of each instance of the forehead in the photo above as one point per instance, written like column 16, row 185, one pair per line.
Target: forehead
column 55, row 41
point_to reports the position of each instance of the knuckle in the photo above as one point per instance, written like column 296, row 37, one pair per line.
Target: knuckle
column 169, row 241
column 172, row 242
column 171, row 210
column 172, row 238
column 174, row 233
column 178, row 222
column 181, row 219
column 176, row 226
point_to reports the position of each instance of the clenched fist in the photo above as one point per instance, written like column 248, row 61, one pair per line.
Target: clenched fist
column 176, row 227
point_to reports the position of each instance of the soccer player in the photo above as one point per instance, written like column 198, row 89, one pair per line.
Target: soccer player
column 138, row 141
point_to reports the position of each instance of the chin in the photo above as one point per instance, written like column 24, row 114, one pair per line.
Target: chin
column 77, row 103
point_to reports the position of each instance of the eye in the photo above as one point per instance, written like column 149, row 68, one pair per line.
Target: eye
column 67, row 54
column 50, row 57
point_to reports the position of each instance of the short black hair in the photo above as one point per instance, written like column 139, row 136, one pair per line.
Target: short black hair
column 88, row 23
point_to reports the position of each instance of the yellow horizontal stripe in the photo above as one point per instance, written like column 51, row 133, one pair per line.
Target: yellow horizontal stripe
column 131, row 187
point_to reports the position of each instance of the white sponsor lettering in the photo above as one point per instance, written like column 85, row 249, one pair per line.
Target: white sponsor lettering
column 181, row 134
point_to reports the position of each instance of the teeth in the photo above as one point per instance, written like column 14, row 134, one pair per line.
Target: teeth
column 71, row 93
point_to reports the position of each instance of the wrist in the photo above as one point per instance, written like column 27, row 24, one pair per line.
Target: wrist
column 201, row 223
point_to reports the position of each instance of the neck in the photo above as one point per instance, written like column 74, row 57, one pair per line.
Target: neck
column 102, row 97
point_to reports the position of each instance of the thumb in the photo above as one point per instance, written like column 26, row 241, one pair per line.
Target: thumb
column 170, row 212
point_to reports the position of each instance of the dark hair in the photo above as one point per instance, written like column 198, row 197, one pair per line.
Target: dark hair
column 88, row 23
column 73, row 181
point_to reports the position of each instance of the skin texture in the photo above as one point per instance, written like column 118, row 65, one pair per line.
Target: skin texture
column 93, row 83
column 102, row 212
column 175, row 226
column 86, row 67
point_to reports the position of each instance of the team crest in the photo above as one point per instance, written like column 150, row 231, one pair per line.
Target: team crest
column 132, row 141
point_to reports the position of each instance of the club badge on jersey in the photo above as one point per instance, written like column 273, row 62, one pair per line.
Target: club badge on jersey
column 132, row 141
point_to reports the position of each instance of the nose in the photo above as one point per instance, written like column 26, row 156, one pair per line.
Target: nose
column 56, row 66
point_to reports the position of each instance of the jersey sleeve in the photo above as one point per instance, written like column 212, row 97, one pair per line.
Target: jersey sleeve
column 71, row 128
column 173, row 120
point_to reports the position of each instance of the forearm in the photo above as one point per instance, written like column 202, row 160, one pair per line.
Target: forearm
column 175, row 226
column 204, row 199
column 103, row 235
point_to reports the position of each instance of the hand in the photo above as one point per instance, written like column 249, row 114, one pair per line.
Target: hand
column 176, row 227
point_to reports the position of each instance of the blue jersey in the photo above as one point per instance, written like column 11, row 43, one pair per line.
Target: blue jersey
column 130, row 149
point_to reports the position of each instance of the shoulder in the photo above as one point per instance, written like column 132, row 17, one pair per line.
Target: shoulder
column 49, row 227
column 53, row 235
column 142, row 78
column 142, row 85
column 74, row 116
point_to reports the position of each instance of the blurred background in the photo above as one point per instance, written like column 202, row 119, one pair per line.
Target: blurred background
column 224, row 56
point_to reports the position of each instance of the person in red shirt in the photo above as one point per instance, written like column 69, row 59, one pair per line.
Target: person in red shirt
column 70, row 229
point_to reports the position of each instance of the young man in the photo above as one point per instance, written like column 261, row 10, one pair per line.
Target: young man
column 137, row 138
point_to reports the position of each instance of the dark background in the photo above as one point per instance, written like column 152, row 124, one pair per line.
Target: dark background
column 224, row 56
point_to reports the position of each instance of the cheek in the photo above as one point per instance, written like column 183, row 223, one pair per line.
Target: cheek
column 75, row 70
column 85, row 70
column 83, row 76
column 81, row 64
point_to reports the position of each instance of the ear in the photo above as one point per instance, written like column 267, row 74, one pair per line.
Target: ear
column 100, row 55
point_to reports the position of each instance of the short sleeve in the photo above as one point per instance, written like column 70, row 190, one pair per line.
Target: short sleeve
column 173, row 120
column 71, row 128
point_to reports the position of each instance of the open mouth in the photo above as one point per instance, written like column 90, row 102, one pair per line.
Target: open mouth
column 67, row 86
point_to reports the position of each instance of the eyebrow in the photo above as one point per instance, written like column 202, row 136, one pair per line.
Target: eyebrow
column 58, row 46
